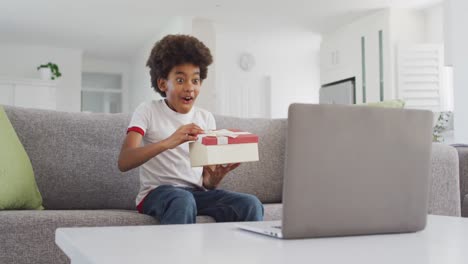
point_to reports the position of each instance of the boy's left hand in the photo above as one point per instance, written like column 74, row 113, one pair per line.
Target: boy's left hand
column 212, row 175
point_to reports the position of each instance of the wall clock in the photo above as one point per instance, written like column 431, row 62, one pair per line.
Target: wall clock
column 246, row 61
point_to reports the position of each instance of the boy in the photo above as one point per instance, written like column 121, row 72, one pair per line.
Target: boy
column 170, row 189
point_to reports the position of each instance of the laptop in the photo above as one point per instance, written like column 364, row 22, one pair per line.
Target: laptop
column 353, row 170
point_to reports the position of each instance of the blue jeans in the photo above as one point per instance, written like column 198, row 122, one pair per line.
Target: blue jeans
column 177, row 205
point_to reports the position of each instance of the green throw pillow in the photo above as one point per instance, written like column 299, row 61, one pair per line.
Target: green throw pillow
column 388, row 104
column 18, row 188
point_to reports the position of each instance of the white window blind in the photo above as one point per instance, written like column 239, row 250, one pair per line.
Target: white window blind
column 420, row 70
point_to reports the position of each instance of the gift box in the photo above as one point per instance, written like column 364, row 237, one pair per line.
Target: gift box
column 222, row 147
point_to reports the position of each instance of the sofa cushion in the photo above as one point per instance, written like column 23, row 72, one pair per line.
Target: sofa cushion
column 34, row 231
column 463, row 166
column 18, row 188
column 465, row 206
column 444, row 187
column 263, row 178
column 74, row 157
column 396, row 103
column 273, row 212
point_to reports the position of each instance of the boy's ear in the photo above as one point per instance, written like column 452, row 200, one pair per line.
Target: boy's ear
column 162, row 84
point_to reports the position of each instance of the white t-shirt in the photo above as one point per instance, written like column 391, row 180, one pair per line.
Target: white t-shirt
column 156, row 122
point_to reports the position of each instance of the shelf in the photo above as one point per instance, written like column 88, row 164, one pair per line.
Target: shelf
column 30, row 82
column 100, row 90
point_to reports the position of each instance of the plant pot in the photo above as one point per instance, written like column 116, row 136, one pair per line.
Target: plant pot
column 46, row 74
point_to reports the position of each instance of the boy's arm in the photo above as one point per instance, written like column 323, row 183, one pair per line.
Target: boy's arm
column 133, row 154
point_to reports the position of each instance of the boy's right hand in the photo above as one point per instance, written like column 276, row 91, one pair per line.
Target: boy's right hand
column 183, row 134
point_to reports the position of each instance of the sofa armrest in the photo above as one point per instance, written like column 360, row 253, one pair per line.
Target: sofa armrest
column 463, row 160
column 444, row 185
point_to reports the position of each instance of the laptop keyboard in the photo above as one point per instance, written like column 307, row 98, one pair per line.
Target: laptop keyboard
column 279, row 227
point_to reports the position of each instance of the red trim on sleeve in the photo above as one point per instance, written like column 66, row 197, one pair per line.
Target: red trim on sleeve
column 136, row 129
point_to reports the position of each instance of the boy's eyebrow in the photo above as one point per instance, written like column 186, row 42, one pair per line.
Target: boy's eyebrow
column 183, row 73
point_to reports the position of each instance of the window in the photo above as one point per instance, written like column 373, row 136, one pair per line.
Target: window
column 101, row 92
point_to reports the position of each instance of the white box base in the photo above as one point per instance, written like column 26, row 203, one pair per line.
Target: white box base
column 201, row 155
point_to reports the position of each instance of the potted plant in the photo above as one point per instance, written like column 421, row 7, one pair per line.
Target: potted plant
column 49, row 71
column 441, row 126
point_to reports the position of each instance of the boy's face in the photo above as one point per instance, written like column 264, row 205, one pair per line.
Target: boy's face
column 182, row 87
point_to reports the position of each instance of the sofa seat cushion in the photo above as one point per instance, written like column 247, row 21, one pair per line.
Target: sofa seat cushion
column 463, row 167
column 465, row 206
column 273, row 212
column 34, row 231
column 444, row 198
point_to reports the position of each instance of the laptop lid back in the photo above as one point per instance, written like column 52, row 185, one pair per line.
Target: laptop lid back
column 354, row 170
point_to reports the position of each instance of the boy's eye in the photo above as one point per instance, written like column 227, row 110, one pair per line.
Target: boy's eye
column 179, row 80
column 196, row 81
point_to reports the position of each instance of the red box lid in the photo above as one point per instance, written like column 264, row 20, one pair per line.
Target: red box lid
column 242, row 137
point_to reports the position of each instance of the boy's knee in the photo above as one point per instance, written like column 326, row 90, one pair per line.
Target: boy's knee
column 183, row 201
column 251, row 200
column 178, row 208
column 254, row 208
column 255, row 203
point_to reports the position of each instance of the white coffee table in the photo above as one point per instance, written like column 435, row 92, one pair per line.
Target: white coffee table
column 445, row 240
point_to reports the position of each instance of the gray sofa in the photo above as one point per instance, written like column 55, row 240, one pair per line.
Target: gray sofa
column 74, row 156
column 463, row 157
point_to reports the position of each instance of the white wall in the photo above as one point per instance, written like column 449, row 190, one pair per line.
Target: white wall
column 140, row 89
column 204, row 30
column 434, row 23
column 20, row 61
column 407, row 27
column 286, row 70
column 111, row 66
column 435, row 32
column 341, row 50
column 448, row 35
column 457, row 20
column 346, row 43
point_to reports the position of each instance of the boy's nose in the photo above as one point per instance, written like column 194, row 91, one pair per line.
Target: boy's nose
column 188, row 88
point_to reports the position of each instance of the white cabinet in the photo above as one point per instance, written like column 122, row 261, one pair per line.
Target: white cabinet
column 367, row 50
column 359, row 50
column 28, row 93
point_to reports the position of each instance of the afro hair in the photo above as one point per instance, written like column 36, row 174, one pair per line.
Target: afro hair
column 173, row 50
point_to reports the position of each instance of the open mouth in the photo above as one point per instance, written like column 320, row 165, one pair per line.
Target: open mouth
column 187, row 99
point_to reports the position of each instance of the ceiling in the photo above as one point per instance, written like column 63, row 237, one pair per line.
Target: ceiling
column 117, row 28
